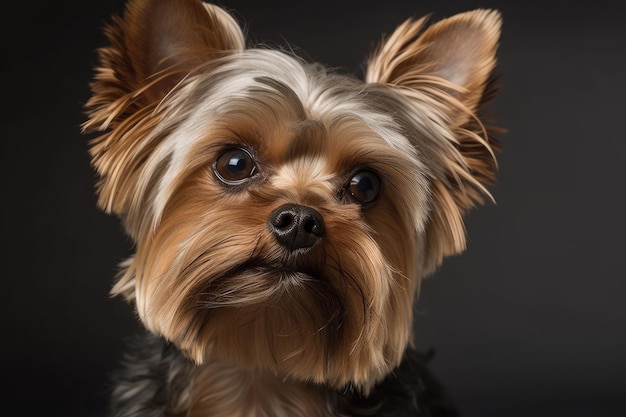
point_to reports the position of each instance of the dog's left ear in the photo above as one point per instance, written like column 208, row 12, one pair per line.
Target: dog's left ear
column 460, row 51
column 447, row 66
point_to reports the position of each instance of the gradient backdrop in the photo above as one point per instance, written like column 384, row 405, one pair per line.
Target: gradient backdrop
column 530, row 321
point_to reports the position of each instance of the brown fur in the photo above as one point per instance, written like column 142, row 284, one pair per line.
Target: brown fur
column 273, row 331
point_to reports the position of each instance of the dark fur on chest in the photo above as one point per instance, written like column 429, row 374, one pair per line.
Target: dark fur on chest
column 154, row 377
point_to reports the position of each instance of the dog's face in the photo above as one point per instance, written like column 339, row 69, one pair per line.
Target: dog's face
column 284, row 215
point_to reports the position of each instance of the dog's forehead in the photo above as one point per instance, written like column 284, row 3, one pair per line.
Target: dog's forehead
column 304, row 138
column 291, row 107
column 284, row 110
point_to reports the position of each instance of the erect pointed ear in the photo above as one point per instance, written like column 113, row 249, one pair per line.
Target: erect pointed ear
column 447, row 66
column 459, row 51
column 157, row 42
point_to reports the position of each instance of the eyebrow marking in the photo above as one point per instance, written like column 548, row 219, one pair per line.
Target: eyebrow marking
column 309, row 139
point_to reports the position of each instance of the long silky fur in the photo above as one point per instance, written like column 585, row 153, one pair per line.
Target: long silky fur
column 237, row 325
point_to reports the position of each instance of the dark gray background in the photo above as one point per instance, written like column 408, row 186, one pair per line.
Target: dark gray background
column 530, row 321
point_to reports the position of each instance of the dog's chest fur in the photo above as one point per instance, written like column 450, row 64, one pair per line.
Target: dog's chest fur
column 156, row 380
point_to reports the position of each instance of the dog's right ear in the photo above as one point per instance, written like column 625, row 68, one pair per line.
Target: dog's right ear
column 157, row 42
column 153, row 46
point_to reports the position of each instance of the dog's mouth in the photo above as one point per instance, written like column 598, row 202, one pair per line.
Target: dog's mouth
column 288, row 271
column 282, row 269
column 258, row 281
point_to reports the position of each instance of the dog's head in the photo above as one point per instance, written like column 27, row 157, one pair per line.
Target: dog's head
column 284, row 214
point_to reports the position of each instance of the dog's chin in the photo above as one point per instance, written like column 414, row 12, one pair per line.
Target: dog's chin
column 297, row 292
column 290, row 320
column 283, row 316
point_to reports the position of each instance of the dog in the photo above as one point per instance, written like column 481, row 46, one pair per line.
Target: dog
column 284, row 214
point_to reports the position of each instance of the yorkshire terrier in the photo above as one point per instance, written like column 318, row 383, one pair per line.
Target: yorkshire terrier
column 284, row 214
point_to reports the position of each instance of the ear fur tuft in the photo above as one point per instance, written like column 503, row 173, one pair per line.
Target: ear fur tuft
column 448, row 66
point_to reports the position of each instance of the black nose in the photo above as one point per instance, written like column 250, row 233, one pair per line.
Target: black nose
column 295, row 226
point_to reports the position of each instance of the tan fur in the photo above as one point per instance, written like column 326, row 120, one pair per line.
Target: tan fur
column 252, row 393
column 448, row 65
column 271, row 330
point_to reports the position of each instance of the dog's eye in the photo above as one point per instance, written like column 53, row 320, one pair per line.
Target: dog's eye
column 234, row 166
column 364, row 187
